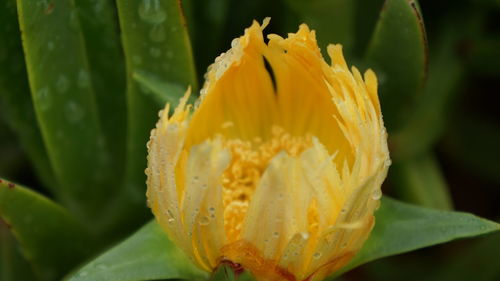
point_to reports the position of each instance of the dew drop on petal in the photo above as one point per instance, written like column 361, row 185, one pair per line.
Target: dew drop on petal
column 204, row 220
column 170, row 216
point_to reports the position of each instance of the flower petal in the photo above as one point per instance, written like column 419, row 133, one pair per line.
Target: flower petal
column 202, row 208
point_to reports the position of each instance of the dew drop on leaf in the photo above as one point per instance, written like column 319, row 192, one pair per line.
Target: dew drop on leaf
column 157, row 33
column 150, row 11
column 62, row 84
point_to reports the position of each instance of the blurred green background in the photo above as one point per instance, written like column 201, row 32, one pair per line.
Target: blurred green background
column 442, row 114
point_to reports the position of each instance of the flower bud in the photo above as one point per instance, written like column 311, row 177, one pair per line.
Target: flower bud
column 279, row 165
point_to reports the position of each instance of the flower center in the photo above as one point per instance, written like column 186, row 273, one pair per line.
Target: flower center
column 248, row 163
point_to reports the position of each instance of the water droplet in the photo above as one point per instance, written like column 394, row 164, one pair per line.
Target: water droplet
column 73, row 19
column 211, row 210
column 50, row 45
column 276, row 234
column 235, row 42
column 83, row 79
column 317, row 255
column 157, row 33
column 101, row 266
column 73, row 112
column 155, row 52
column 150, row 11
column 170, row 54
column 98, row 7
column 137, row 60
column 170, row 216
column 343, row 211
column 204, row 220
column 28, row 219
column 388, row 162
column 42, row 96
column 343, row 245
column 62, row 84
column 377, row 194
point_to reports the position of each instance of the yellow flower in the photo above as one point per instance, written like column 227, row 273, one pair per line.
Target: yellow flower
column 279, row 165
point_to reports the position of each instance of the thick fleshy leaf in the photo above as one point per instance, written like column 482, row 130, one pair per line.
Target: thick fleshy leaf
column 332, row 19
column 402, row 227
column 428, row 122
column 65, row 105
column 156, row 42
column 99, row 26
column 203, row 16
column 146, row 255
column 398, row 54
column 365, row 19
column 13, row 266
column 420, row 181
column 161, row 91
column 51, row 239
column 17, row 106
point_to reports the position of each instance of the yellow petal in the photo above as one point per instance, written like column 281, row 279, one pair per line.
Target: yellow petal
column 280, row 165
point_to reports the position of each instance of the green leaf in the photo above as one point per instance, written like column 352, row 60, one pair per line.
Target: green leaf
column 402, row 227
column 207, row 21
column 13, row 266
column 146, row 255
column 421, row 182
column 65, row 106
column 430, row 117
column 332, row 19
column 365, row 19
column 162, row 92
column 51, row 239
column 15, row 96
column 398, row 54
column 155, row 41
column 99, row 26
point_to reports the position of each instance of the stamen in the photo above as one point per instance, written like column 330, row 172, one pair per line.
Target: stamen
column 249, row 161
